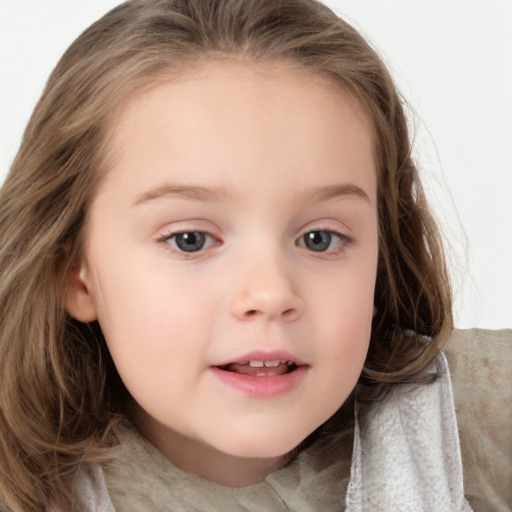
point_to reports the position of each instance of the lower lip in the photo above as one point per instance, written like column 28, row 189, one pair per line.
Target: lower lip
column 261, row 387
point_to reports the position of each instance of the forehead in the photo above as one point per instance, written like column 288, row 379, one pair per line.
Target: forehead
column 234, row 110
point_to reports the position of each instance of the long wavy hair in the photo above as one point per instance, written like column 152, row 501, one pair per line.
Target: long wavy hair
column 60, row 394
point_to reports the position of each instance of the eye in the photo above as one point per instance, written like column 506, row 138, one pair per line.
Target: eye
column 322, row 240
column 190, row 241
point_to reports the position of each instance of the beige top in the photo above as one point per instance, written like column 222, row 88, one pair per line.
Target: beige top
column 480, row 362
column 481, row 367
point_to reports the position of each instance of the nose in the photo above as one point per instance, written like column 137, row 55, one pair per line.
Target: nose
column 265, row 289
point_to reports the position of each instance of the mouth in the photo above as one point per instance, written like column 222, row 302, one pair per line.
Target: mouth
column 262, row 374
column 260, row 368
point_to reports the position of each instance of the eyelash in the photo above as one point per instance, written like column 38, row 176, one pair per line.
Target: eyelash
column 343, row 241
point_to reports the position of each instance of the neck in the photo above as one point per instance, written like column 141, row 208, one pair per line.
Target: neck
column 219, row 467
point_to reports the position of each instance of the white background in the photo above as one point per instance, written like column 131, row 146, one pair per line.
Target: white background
column 452, row 59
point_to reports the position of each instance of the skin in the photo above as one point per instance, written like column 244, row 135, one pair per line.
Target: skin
column 277, row 154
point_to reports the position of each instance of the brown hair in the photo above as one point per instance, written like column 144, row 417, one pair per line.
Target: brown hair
column 59, row 392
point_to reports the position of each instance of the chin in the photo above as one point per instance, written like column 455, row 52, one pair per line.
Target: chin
column 275, row 444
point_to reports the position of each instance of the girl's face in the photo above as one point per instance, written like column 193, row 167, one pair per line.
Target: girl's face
column 231, row 260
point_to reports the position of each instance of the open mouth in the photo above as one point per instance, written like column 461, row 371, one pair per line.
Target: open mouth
column 256, row 368
column 260, row 375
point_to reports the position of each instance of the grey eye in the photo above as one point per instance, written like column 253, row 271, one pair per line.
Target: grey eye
column 317, row 241
column 192, row 241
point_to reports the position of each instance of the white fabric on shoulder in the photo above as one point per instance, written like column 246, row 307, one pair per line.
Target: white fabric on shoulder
column 91, row 490
column 406, row 454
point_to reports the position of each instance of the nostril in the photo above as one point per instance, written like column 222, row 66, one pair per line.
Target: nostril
column 287, row 314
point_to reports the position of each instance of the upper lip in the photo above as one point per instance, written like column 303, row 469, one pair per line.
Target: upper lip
column 260, row 355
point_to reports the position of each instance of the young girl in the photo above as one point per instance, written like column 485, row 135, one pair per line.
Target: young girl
column 221, row 286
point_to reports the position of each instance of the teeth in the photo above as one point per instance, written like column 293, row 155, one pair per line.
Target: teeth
column 267, row 364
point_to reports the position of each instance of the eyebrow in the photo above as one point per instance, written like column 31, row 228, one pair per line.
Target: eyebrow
column 319, row 194
column 187, row 191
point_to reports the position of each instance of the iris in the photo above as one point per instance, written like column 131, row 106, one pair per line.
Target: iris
column 190, row 242
column 318, row 241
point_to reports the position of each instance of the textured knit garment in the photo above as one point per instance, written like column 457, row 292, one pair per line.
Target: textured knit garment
column 405, row 457
column 406, row 452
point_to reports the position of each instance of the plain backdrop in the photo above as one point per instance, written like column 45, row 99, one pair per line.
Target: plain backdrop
column 452, row 60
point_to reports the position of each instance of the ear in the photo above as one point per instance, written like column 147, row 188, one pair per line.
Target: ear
column 78, row 300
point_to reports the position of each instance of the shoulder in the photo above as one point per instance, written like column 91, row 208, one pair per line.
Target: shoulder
column 480, row 363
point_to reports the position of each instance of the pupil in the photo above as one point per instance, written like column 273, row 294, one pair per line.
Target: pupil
column 190, row 242
column 317, row 240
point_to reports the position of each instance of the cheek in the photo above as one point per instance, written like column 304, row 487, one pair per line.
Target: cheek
column 140, row 319
column 344, row 309
column 345, row 296
column 346, row 335
column 154, row 320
